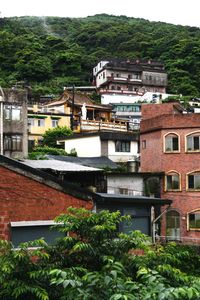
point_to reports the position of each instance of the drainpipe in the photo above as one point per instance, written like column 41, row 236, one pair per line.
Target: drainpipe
column 154, row 223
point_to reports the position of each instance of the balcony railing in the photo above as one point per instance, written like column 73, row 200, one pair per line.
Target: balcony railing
column 88, row 125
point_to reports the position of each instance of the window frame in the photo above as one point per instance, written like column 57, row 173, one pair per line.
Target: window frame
column 119, row 144
column 41, row 120
column 9, row 111
column 171, row 135
column 54, row 121
column 172, row 173
column 188, row 220
column 13, row 142
column 194, row 134
column 188, row 188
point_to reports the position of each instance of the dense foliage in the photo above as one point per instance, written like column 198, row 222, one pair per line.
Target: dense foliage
column 96, row 262
column 54, row 52
column 52, row 135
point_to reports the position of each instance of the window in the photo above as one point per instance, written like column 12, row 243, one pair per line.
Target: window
column 130, row 87
column 171, row 143
column 193, row 142
column 12, row 112
column 54, row 123
column 41, row 122
column 104, row 76
column 13, row 142
column 193, row 181
column 122, row 146
column 144, row 144
column 194, row 220
column 31, row 121
column 172, row 182
column 123, row 191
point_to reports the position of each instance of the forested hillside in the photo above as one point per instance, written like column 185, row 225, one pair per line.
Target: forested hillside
column 53, row 52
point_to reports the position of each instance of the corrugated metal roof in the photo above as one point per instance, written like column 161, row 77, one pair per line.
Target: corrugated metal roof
column 94, row 162
column 58, row 165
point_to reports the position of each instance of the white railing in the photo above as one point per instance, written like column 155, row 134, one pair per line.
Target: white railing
column 87, row 125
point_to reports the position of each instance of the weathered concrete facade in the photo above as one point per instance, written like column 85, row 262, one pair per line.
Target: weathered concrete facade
column 15, row 139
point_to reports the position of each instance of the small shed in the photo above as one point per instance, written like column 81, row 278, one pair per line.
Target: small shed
column 143, row 210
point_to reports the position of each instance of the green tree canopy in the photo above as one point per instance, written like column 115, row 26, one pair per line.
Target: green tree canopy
column 64, row 50
column 51, row 136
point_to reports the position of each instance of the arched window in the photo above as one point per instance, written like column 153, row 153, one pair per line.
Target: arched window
column 193, row 181
column 193, row 220
column 171, row 143
column 193, row 142
column 172, row 181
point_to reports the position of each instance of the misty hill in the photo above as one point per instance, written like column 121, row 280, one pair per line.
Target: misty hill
column 53, row 52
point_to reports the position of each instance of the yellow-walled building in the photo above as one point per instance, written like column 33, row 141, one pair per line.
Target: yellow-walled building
column 41, row 119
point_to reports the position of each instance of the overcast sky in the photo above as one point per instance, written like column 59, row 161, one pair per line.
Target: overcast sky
column 171, row 11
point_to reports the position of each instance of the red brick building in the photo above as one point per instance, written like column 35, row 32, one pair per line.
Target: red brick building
column 30, row 200
column 170, row 143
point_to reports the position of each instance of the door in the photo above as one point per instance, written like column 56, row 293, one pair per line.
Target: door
column 173, row 225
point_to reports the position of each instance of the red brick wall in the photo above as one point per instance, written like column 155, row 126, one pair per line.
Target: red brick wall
column 154, row 110
column 153, row 159
column 24, row 199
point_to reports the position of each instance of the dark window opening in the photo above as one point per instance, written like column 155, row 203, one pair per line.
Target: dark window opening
column 122, row 146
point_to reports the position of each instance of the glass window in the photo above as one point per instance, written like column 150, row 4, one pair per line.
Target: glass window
column 122, row 146
column 41, row 122
column 12, row 113
column 194, row 181
column 172, row 182
column 171, row 143
column 16, row 113
column 31, row 121
column 54, row 123
column 194, row 220
column 13, row 143
column 193, row 142
column 144, row 144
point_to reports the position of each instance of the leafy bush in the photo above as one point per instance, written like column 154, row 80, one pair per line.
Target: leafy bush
column 96, row 262
column 49, row 150
column 51, row 136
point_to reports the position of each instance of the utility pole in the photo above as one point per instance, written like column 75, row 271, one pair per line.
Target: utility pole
column 72, row 113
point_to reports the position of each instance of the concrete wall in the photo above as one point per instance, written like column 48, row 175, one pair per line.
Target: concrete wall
column 134, row 184
column 85, row 147
column 11, row 127
column 122, row 156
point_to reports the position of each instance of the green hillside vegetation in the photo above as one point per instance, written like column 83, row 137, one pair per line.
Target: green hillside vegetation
column 53, row 52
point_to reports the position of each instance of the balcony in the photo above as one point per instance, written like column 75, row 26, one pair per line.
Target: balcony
column 123, row 79
column 93, row 125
